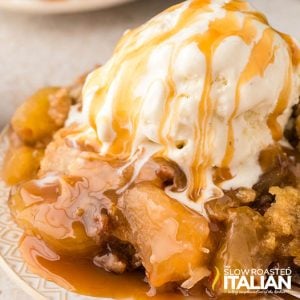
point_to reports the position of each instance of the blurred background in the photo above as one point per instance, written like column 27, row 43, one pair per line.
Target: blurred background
column 38, row 50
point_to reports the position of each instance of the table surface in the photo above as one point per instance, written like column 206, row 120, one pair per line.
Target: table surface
column 52, row 50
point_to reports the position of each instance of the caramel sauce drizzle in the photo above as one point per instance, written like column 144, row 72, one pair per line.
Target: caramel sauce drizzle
column 293, row 48
column 131, row 51
column 260, row 59
column 275, row 128
column 294, row 52
column 137, row 56
column 208, row 43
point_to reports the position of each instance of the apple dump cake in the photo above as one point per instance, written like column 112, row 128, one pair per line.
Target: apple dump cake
column 177, row 160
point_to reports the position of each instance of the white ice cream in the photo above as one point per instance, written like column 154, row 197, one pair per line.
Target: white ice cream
column 207, row 84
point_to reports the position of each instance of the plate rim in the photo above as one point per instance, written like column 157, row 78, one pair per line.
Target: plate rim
column 29, row 290
column 4, row 264
column 61, row 7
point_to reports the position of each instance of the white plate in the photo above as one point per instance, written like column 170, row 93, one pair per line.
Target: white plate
column 58, row 6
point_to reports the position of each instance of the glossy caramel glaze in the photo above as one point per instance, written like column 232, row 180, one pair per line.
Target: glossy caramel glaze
column 81, row 276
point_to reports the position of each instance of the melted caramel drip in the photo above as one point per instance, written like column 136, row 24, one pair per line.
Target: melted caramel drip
column 260, row 59
column 221, row 174
column 294, row 52
column 237, row 5
column 276, row 129
column 125, row 121
column 293, row 48
column 208, row 43
column 130, row 52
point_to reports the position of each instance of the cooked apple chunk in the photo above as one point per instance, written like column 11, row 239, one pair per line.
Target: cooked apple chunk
column 169, row 238
column 41, row 115
column 21, row 163
column 62, row 211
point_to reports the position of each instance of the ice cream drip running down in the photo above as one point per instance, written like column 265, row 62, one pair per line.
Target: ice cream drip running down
column 207, row 84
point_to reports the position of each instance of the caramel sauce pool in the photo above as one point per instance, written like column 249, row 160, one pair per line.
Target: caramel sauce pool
column 82, row 277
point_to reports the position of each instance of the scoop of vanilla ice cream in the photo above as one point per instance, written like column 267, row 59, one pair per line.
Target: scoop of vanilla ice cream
column 207, row 84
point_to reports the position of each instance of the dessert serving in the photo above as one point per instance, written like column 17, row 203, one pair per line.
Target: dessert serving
column 170, row 167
